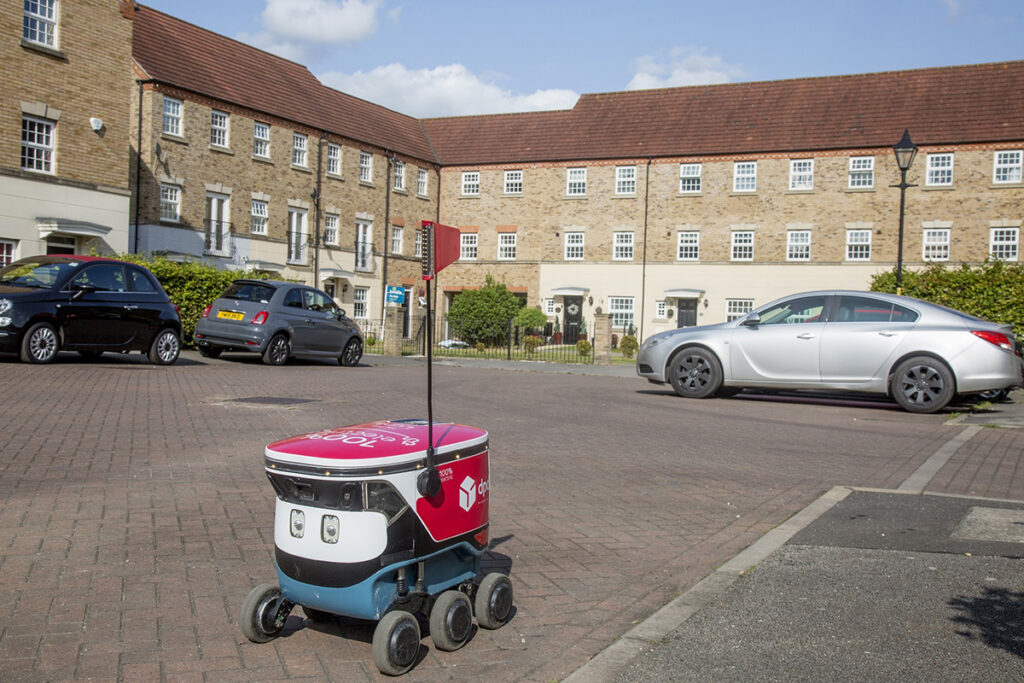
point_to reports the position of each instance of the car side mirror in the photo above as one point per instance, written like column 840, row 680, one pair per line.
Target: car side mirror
column 78, row 290
column 752, row 320
column 341, row 313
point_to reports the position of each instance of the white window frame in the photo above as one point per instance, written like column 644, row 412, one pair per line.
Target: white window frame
column 421, row 182
column 688, row 245
column 801, row 174
column 858, row 245
column 938, row 172
column 396, row 239
column 1007, row 166
column 622, row 246
column 507, row 242
column 798, row 245
column 220, row 128
column 217, row 224
column 625, row 180
column 300, row 146
column 260, row 216
column 468, row 246
column 399, row 183
column 333, row 159
column 470, row 183
column 576, row 182
column 418, row 245
column 38, row 144
column 737, row 308
column 549, row 306
column 40, row 23
column 744, row 176
column 1004, row 243
column 690, row 178
column 170, row 203
column 742, row 245
column 621, row 309
column 935, row 244
column 360, row 302
column 861, row 173
column 8, row 252
column 298, row 235
column 575, row 243
column 261, row 139
column 331, row 221
column 514, row 182
column 365, row 167
column 173, row 117
column 661, row 309
column 364, row 245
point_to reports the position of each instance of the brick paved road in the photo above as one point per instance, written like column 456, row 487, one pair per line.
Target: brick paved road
column 135, row 515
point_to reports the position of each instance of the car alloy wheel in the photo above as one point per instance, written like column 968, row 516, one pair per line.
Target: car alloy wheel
column 40, row 344
column 166, row 348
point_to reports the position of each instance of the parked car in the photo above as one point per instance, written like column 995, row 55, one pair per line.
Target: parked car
column 919, row 353
column 452, row 344
column 278, row 320
column 87, row 304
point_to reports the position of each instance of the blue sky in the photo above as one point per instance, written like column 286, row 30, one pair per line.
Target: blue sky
column 440, row 58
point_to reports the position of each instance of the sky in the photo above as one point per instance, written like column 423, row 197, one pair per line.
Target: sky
column 455, row 57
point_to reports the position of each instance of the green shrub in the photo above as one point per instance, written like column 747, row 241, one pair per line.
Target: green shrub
column 993, row 290
column 531, row 342
column 628, row 346
column 482, row 315
column 191, row 285
column 481, row 347
column 530, row 318
column 583, row 347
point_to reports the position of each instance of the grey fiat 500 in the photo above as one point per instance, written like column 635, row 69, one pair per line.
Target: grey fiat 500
column 278, row 320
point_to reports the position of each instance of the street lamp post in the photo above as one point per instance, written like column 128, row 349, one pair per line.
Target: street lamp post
column 905, row 151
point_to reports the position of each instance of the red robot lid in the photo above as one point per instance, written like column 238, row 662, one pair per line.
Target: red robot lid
column 374, row 444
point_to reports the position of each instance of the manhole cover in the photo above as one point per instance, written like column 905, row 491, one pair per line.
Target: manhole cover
column 271, row 400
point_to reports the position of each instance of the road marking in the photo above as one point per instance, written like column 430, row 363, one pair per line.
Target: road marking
column 924, row 474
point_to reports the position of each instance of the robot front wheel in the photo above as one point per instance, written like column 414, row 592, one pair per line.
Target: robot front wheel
column 396, row 642
column 263, row 613
column 451, row 620
column 493, row 601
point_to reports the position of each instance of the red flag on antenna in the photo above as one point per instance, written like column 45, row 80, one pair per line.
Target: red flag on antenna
column 441, row 247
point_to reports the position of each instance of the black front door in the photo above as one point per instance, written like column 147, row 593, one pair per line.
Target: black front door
column 686, row 313
column 571, row 319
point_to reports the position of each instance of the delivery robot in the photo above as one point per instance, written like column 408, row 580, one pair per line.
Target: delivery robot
column 372, row 523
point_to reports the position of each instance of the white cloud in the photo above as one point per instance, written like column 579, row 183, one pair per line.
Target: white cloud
column 321, row 21
column 450, row 90
column 684, row 66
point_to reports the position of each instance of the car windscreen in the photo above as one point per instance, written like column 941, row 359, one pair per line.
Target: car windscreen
column 249, row 291
column 40, row 274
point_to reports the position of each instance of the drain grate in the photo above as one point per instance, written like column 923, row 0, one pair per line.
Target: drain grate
column 271, row 400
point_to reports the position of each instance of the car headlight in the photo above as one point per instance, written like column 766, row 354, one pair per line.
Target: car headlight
column 5, row 305
column 298, row 523
column 330, row 529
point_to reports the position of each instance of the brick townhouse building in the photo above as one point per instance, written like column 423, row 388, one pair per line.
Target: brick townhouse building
column 66, row 94
column 664, row 207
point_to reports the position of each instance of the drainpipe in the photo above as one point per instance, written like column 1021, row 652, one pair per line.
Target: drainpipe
column 387, row 232
column 316, row 195
column 643, row 271
column 138, row 171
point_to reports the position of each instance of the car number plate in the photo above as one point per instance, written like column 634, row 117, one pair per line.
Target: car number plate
column 230, row 315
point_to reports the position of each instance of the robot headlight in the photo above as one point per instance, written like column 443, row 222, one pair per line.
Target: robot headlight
column 297, row 523
column 330, row 529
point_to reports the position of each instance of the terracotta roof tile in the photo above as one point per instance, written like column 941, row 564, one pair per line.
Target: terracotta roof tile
column 979, row 103
column 181, row 54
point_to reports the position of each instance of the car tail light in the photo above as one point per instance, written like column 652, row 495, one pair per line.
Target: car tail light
column 997, row 338
column 206, row 311
column 178, row 311
column 259, row 318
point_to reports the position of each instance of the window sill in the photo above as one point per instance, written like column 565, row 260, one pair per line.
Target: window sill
column 300, row 264
column 222, row 150
column 263, row 160
column 44, row 49
column 335, row 176
column 398, row 190
column 689, row 194
column 743, row 193
column 218, row 254
column 810, row 191
column 512, row 195
column 423, row 197
column 575, row 196
column 624, row 196
column 366, row 183
column 1005, row 186
column 173, row 138
column 938, row 188
column 301, row 169
column 859, row 189
column 469, row 196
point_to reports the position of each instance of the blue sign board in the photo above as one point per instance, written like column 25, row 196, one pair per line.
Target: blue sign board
column 395, row 295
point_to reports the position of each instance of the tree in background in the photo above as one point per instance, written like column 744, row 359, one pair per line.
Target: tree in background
column 480, row 316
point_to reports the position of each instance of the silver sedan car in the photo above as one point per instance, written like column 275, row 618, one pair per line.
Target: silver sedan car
column 278, row 320
column 919, row 353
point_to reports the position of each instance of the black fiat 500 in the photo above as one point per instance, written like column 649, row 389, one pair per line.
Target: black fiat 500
column 86, row 304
